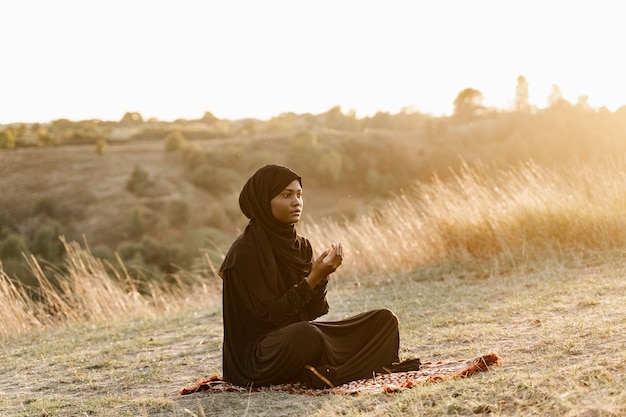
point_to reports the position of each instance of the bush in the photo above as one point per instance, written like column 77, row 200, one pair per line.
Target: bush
column 101, row 146
column 7, row 225
column 103, row 251
column 152, row 255
column 46, row 206
column 174, row 141
column 215, row 179
column 46, row 242
column 13, row 247
column 139, row 182
column 165, row 255
column 136, row 224
column 178, row 213
column 7, row 139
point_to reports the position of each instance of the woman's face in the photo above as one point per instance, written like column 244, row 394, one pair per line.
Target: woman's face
column 287, row 205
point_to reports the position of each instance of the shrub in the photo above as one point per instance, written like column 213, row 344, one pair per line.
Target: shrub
column 7, row 139
column 101, row 146
column 166, row 256
column 153, row 256
column 215, row 179
column 13, row 247
column 178, row 213
column 174, row 141
column 129, row 250
column 136, row 226
column 46, row 242
column 103, row 251
column 7, row 225
column 46, row 206
column 192, row 155
column 139, row 182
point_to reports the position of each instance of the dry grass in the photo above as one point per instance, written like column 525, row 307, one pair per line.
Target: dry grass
column 511, row 217
column 87, row 292
column 559, row 330
column 527, row 263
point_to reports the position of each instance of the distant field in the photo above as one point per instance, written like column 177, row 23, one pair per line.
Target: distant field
column 91, row 188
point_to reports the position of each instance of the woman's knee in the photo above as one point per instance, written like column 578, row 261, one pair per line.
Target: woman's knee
column 305, row 333
column 387, row 316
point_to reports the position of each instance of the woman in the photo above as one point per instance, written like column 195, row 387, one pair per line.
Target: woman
column 272, row 290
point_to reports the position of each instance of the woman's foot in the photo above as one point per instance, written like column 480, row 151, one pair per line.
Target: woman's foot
column 404, row 366
column 320, row 377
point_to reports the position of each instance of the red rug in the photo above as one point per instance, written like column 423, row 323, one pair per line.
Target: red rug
column 388, row 383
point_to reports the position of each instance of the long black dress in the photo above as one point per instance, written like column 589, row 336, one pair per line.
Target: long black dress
column 268, row 306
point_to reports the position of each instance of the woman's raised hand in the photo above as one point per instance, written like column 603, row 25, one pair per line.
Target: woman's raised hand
column 325, row 264
column 334, row 254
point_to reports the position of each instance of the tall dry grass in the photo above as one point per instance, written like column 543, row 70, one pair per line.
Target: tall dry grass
column 486, row 214
column 86, row 291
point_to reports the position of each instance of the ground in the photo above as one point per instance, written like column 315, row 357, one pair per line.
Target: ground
column 558, row 328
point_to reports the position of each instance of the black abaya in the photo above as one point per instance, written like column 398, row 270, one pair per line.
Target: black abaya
column 268, row 306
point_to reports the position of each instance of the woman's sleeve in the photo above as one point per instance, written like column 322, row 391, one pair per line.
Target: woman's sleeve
column 318, row 305
column 273, row 313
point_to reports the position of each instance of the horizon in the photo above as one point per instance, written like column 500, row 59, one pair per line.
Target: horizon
column 242, row 59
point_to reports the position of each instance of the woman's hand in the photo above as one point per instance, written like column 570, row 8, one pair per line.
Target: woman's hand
column 325, row 264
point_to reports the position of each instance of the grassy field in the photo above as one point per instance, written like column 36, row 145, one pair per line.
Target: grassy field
column 527, row 263
column 559, row 328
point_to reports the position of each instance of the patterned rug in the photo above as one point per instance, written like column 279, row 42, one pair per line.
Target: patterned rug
column 389, row 383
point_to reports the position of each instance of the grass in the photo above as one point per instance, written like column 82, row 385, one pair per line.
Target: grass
column 526, row 263
column 85, row 291
column 512, row 217
column 559, row 330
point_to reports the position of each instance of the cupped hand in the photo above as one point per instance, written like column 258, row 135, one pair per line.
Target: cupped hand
column 326, row 264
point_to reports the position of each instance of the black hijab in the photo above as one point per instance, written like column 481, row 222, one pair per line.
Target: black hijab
column 269, row 255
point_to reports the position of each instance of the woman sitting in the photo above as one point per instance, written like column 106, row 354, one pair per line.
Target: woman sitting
column 273, row 289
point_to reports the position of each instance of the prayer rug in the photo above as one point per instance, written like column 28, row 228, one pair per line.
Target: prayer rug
column 386, row 383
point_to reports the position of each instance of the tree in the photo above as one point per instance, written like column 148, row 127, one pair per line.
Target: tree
column 131, row 118
column 46, row 242
column 209, row 118
column 174, row 141
column 583, row 102
column 7, row 139
column 21, row 133
column 136, row 225
column 139, row 182
column 336, row 119
column 556, row 96
column 101, row 146
column 468, row 104
column 521, row 95
column 44, row 138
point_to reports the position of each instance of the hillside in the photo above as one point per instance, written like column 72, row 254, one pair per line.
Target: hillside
column 90, row 189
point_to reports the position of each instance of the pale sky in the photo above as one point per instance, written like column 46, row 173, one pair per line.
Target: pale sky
column 85, row 59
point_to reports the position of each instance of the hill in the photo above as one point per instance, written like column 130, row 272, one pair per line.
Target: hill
column 86, row 194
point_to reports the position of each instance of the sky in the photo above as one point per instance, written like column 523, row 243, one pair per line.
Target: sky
column 98, row 59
